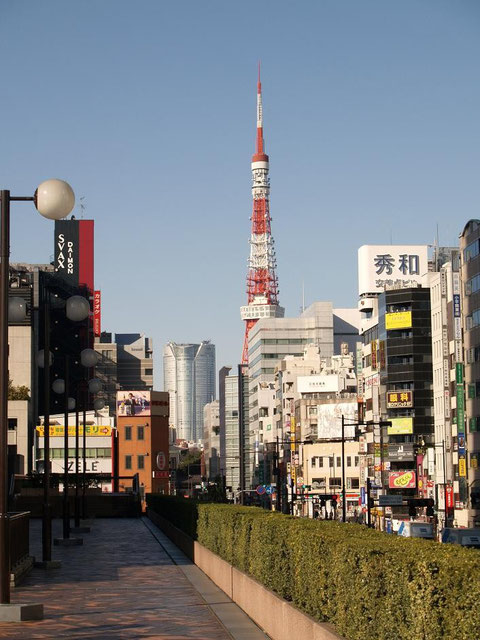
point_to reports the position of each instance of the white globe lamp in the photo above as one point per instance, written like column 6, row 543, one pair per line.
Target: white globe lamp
column 17, row 309
column 88, row 357
column 41, row 358
column 54, row 199
column 77, row 308
column 58, row 386
column 94, row 385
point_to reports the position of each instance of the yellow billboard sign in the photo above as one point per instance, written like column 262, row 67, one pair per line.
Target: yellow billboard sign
column 399, row 320
column 462, row 467
column 400, row 426
column 58, row 430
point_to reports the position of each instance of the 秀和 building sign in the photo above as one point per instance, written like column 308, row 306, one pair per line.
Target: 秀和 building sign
column 387, row 266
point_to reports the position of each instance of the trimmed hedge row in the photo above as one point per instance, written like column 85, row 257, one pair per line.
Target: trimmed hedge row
column 370, row 585
column 181, row 512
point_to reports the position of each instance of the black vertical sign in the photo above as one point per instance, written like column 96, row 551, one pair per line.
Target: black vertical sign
column 67, row 250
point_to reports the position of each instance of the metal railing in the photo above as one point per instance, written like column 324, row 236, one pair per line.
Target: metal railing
column 19, row 536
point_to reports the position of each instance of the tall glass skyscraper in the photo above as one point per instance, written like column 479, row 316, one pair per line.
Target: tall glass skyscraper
column 189, row 378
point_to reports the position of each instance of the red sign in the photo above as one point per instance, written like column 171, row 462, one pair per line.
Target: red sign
column 97, row 308
column 159, row 474
column 402, row 480
column 449, row 491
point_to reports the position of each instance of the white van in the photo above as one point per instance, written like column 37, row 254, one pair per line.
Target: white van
column 465, row 537
column 416, row 530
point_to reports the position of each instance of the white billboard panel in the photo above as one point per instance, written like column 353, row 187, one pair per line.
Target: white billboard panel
column 329, row 419
column 387, row 266
column 319, row 383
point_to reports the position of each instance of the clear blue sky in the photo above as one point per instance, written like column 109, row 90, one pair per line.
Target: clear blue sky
column 147, row 108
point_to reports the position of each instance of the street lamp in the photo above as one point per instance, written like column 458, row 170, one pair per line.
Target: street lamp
column 54, row 199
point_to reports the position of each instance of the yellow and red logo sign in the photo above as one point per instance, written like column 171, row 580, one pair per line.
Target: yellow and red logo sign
column 402, row 480
column 91, row 430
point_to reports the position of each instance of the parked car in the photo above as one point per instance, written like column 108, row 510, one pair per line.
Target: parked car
column 416, row 530
column 465, row 537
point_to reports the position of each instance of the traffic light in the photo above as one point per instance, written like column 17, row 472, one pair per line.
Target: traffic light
column 371, row 502
column 334, row 501
column 475, row 499
column 414, row 503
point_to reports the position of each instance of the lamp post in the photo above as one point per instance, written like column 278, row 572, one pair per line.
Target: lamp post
column 54, row 199
column 77, row 308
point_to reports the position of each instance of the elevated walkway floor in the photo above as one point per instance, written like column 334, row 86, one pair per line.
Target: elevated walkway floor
column 127, row 581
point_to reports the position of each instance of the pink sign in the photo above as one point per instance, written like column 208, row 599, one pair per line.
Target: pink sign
column 402, row 480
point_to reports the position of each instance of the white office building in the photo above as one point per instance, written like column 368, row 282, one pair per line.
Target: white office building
column 189, row 379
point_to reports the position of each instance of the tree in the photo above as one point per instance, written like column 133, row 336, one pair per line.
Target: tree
column 18, row 392
column 189, row 459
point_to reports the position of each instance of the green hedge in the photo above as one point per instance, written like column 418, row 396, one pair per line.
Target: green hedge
column 182, row 512
column 370, row 585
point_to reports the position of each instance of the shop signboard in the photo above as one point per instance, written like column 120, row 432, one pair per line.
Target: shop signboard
column 450, row 501
column 390, row 501
column 400, row 426
column 97, row 313
column 462, row 465
column 400, row 452
column 399, row 399
column 373, row 349
column 329, row 419
column 402, row 480
column 142, row 403
column 387, row 266
column 399, row 320
column 58, row 430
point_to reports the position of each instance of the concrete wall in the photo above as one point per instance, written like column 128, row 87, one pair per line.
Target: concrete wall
column 277, row 617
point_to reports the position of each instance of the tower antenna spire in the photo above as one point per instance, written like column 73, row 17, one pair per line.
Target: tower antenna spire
column 262, row 283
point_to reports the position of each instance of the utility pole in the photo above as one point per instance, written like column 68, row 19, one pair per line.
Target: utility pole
column 278, row 503
column 369, row 515
column 344, row 494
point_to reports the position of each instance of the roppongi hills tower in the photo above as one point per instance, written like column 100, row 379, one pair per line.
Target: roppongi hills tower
column 189, row 378
column 262, row 283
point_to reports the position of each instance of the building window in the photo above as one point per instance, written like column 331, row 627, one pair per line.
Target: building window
column 149, row 372
column 140, row 433
column 330, row 461
column 320, row 461
column 349, row 461
column 12, row 424
column 140, row 462
column 128, row 462
column 355, row 483
column 357, row 460
column 334, row 482
column 339, row 461
column 314, row 462
column 128, row 433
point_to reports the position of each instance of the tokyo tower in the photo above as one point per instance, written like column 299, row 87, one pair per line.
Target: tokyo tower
column 262, row 283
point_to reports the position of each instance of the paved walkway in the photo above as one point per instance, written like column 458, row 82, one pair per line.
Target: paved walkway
column 127, row 581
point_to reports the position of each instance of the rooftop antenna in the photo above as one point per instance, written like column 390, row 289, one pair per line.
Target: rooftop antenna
column 435, row 249
column 82, row 206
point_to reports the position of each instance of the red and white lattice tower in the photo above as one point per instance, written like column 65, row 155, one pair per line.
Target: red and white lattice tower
column 262, row 283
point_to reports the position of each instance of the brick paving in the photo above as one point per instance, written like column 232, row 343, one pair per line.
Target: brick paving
column 120, row 584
